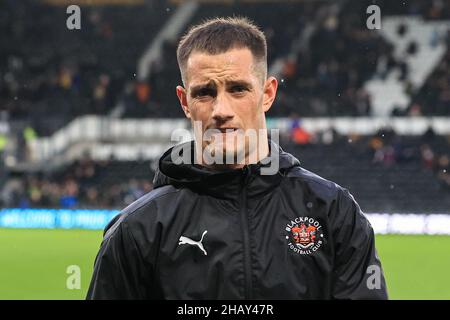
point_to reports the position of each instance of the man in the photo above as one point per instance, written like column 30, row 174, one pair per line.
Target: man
column 224, row 230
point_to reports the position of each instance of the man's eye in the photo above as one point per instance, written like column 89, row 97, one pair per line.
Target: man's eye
column 204, row 92
column 238, row 89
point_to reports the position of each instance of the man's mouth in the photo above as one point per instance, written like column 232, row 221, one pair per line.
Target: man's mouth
column 227, row 130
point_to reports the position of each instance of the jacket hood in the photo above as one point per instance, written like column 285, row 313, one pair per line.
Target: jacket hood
column 224, row 183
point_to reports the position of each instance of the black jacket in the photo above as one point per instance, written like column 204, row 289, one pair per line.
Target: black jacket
column 237, row 234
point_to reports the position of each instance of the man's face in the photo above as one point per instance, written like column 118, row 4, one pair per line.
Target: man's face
column 226, row 92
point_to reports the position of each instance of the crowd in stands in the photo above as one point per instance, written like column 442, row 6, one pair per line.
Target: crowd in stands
column 51, row 74
column 389, row 149
column 76, row 186
column 428, row 10
column 436, row 158
column 327, row 79
column 433, row 99
column 386, row 171
column 113, row 184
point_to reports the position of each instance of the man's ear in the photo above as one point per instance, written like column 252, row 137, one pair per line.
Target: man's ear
column 270, row 91
column 182, row 96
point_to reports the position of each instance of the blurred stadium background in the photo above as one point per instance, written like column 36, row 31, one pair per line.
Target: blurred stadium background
column 85, row 113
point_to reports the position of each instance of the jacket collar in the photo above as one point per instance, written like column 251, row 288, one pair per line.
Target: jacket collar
column 223, row 184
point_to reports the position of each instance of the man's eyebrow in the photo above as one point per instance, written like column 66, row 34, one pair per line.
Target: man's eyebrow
column 209, row 85
column 242, row 83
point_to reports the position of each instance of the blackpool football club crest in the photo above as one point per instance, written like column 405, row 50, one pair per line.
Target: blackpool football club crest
column 304, row 235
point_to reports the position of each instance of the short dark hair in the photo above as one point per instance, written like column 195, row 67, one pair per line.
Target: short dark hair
column 218, row 35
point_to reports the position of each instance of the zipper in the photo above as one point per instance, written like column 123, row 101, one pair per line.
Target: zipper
column 245, row 234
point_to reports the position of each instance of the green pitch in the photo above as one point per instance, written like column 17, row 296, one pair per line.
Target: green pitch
column 33, row 264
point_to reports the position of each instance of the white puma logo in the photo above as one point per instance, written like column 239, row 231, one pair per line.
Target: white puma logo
column 184, row 240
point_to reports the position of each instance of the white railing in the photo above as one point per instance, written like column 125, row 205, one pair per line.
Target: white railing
column 124, row 138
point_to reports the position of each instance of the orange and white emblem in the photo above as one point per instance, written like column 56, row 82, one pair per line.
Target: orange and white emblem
column 304, row 235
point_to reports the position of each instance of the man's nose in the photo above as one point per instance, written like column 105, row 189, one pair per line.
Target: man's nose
column 222, row 110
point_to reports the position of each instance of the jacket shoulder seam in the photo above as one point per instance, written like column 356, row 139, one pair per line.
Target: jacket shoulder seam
column 125, row 215
column 315, row 179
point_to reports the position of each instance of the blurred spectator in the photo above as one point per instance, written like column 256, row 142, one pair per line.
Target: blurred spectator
column 443, row 171
column 427, row 156
column 298, row 134
column 29, row 136
column 433, row 99
column 143, row 92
